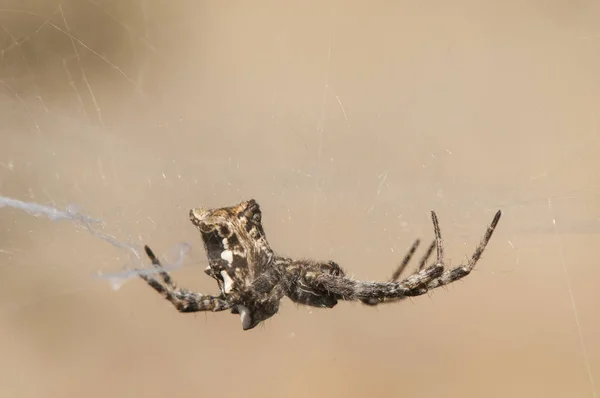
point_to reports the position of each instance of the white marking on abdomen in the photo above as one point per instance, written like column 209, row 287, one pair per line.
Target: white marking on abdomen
column 227, row 255
column 228, row 282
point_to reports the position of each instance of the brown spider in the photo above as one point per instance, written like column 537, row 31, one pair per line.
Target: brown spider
column 253, row 279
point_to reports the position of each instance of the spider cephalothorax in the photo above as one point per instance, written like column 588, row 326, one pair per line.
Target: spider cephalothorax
column 253, row 279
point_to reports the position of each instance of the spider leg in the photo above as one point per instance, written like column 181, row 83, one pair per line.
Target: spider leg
column 396, row 275
column 416, row 284
column 156, row 263
column 405, row 261
column 182, row 299
column 411, row 252
column 397, row 272
column 461, row 271
column 426, row 256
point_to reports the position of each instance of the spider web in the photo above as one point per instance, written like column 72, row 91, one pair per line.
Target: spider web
column 91, row 225
column 136, row 112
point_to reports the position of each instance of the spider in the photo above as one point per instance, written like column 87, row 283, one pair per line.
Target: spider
column 253, row 279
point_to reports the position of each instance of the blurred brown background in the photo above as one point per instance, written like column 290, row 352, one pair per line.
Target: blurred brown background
column 348, row 122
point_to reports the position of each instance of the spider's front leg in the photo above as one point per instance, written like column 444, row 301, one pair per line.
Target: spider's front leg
column 416, row 284
column 301, row 290
column 182, row 299
column 400, row 269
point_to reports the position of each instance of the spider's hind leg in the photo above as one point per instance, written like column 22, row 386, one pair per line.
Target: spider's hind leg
column 156, row 264
column 182, row 299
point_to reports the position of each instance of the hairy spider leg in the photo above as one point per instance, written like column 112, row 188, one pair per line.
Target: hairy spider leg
column 182, row 299
column 416, row 284
column 405, row 261
column 426, row 256
column 422, row 262
column 461, row 271
column 400, row 269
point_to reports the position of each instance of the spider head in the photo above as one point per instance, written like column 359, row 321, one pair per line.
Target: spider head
column 235, row 243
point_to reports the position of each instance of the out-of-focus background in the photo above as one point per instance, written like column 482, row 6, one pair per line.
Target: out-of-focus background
column 348, row 122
